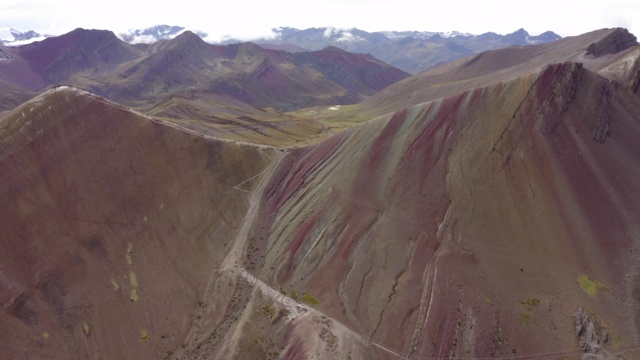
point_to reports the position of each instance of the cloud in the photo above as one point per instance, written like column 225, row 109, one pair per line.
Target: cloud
column 344, row 33
column 329, row 31
column 347, row 36
column 217, row 37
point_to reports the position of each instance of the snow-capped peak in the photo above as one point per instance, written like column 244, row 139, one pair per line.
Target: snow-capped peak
column 155, row 33
column 449, row 34
column 13, row 37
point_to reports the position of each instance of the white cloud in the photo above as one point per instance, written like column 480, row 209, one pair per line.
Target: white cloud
column 347, row 36
column 329, row 31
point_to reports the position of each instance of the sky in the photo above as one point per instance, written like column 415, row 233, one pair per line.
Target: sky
column 247, row 20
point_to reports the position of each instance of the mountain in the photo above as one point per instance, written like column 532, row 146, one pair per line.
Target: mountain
column 13, row 37
column 155, row 34
column 481, row 209
column 411, row 51
column 141, row 77
column 100, row 236
column 57, row 59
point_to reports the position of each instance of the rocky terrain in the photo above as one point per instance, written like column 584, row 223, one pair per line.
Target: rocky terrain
column 482, row 209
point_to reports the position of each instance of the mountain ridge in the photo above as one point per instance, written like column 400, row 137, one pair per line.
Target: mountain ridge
column 411, row 51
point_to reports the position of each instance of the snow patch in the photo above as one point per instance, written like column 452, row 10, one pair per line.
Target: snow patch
column 25, row 42
column 449, row 34
column 343, row 34
column 6, row 34
column 347, row 36
column 334, row 108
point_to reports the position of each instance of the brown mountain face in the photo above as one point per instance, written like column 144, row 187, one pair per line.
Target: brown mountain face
column 497, row 220
column 616, row 41
column 112, row 224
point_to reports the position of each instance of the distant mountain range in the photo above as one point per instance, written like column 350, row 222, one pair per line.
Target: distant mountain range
column 143, row 75
column 411, row 51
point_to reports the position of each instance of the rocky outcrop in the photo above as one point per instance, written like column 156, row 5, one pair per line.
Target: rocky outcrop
column 559, row 82
column 5, row 56
column 600, row 128
column 618, row 40
column 592, row 336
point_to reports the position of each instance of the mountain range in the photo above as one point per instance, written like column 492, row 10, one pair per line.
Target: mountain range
column 143, row 75
column 484, row 208
column 411, row 51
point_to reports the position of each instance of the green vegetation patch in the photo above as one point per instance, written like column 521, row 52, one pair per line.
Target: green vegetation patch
column 589, row 285
column 530, row 303
column 309, row 299
column 525, row 318
column 86, row 329
column 268, row 310
column 134, row 295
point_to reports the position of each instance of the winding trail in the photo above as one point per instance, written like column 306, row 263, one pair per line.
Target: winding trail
column 218, row 296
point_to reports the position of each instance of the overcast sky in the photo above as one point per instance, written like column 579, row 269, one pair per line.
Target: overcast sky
column 250, row 19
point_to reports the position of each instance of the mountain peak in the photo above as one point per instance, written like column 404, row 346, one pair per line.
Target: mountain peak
column 154, row 34
column 91, row 32
column 188, row 34
column 618, row 39
column 332, row 48
column 186, row 39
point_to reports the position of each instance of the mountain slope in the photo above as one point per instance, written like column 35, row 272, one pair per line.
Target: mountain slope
column 112, row 224
column 476, row 225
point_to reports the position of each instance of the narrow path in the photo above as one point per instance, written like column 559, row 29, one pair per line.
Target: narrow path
column 297, row 309
column 222, row 281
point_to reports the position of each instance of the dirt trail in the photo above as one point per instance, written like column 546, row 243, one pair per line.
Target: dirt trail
column 218, row 296
column 297, row 310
